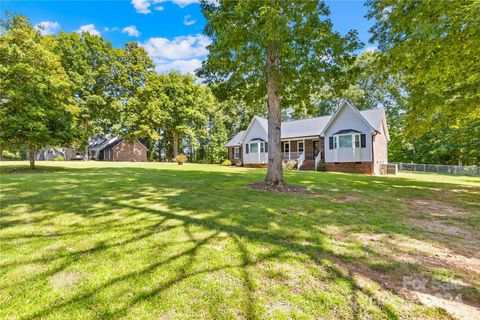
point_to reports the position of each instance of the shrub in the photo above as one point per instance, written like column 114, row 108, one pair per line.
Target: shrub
column 289, row 165
column 59, row 158
column 180, row 159
column 226, row 163
column 321, row 166
column 8, row 155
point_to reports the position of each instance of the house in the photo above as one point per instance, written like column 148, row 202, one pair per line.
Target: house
column 108, row 148
column 49, row 154
column 347, row 141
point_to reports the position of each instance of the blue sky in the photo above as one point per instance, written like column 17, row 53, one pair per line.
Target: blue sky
column 170, row 31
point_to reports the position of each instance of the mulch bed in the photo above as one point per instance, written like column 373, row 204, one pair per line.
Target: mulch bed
column 282, row 188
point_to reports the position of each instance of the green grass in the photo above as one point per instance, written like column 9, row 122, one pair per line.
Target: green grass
column 160, row 241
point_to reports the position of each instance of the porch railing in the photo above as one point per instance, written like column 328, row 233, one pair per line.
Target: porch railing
column 291, row 155
column 300, row 160
column 318, row 159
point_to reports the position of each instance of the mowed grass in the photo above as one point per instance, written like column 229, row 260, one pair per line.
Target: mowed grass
column 161, row 241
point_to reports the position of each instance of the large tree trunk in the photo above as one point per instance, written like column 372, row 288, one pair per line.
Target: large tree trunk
column 275, row 170
column 175, row 144
column 31, row 156
column 132, row 152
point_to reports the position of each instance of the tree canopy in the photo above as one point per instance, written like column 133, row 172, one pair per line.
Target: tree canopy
column 35, row 91
column 276, row 51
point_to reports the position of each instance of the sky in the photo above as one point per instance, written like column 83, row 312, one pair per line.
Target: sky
column 169, row 30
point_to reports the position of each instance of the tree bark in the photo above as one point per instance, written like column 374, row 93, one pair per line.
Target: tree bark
column 275, row 171
column 31, row 156
column 1, row 154
column 132, row 151
column 175, row 144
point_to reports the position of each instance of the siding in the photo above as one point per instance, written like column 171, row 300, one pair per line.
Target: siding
column 348, row 119
column 256, row 131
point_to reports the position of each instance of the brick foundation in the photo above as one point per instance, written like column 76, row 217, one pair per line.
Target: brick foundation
column 350, row 167
column 255, row 165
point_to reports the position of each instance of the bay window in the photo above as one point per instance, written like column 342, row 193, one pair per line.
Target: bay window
column 345, row 141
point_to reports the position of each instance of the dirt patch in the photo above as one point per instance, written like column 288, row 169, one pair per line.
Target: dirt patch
column 435, row 208
column 64, row 280
column 440, row 227
column 347, row 198
column 281, row 188
column 417, row 291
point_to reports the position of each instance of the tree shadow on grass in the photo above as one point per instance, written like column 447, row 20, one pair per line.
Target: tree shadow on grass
column 215, row 202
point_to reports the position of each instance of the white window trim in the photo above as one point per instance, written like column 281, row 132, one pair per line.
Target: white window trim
column 298, row 146
column 260, row 145
column 285, row 143
column 235, row 151
column 336, row 141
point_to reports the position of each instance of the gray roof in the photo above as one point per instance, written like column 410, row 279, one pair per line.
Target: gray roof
column 236, row 141
column 312, row 126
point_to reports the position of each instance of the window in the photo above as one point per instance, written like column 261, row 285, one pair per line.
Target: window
column 330, row 143
column 254, row 147
column 357, row 141
column 363, row 140
column 286, row 147
column 262, row 147
column 266, row 146
column 300, row 146
column 345, row 141
column 236, row 153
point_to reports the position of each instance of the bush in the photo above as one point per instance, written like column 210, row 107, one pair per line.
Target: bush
column 59, row 158
column 226, row 163
column 321, row 166
column 8, row 155
column 289, row 165
column 180, row 159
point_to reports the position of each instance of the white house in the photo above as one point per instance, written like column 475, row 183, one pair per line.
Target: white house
column 347, row 141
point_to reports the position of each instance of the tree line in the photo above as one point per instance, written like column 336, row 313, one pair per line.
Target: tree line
column 59, row 90
column 279, row 59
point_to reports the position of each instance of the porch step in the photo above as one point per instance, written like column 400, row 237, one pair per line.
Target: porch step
column 308, row 165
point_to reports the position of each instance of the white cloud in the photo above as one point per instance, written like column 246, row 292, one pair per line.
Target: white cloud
column 370, row 49
column 188, row 21
column 89, row 28
column 107, row 29
column 183, row 53
column 184, row 3
column 143, row 6
column 182, row 66
column 47, row 27
column 131, row 31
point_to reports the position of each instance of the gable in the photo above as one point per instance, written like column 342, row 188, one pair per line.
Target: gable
column 257, row 130
column 347, row 118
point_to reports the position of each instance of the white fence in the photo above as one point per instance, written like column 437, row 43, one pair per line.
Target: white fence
column 439, row 168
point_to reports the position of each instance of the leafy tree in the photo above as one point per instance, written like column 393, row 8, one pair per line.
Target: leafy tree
column 137, row 118
column 434, row 45
column 187, row 111
column 94, row 69
column 281, row 50
column 34, row 89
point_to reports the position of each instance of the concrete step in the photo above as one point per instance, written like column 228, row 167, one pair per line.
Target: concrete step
column 308, row 165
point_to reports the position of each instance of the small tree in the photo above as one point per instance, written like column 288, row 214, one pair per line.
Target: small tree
column 34, row 89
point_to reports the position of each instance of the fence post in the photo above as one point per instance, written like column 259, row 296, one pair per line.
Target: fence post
column 437, row 168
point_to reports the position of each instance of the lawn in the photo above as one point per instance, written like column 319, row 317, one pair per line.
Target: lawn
column 160, row 241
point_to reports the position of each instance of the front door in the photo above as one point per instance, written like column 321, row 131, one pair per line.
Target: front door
column 316, row 148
